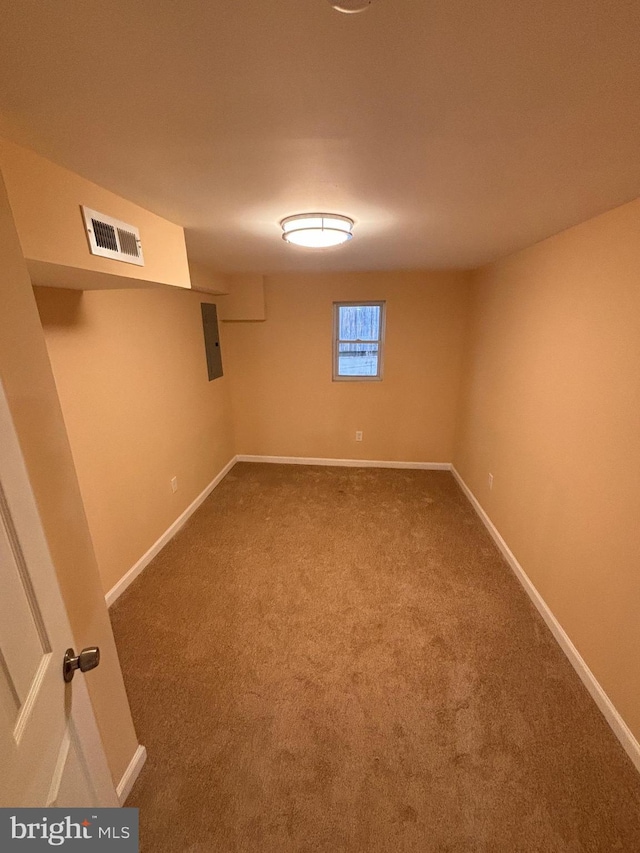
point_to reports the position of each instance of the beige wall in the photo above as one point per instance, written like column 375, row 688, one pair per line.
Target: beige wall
column 285, row 402
column 243, row 294
column 207, row 280
column 45, row 199
column 31, row 393
column 132, row 378
column 244, row 299
column 552, row 409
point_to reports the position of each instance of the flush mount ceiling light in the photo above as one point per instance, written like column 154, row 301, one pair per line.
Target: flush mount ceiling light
column 349, row 7
column 317, row 230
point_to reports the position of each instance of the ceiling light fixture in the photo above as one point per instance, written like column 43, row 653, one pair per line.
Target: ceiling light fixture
column 317, row 230
column 350, row 7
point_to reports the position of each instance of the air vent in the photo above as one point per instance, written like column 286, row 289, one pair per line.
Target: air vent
column 112, row 238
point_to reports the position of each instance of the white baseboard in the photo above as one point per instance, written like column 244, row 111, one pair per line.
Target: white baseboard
column 126, row 580
column 350, row 463
column 130, row 775
column 606, row 706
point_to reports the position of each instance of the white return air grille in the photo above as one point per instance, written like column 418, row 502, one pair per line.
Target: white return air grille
column 112, row 238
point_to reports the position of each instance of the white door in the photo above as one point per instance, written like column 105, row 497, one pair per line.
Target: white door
column 50, row 750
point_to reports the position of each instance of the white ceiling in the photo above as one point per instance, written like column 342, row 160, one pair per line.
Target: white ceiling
column 452, row 131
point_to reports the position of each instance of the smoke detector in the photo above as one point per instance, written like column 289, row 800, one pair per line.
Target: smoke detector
column 350, row 7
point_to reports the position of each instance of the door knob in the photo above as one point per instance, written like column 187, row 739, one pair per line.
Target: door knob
column 88, row 658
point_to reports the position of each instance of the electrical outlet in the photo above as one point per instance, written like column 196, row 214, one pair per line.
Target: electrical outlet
column 174, row 484
column 358, row 435
column 490, row 481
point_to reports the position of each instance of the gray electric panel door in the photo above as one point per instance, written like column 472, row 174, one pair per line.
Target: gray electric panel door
column 211, row 340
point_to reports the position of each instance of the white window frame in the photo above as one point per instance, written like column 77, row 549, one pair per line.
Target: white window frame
column 337, row 340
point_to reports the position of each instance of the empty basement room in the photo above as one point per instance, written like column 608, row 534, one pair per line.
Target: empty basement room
column 319, row 426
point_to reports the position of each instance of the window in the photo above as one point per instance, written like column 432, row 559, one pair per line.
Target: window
column 358, row 332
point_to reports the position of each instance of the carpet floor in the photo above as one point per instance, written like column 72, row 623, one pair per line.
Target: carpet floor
column 339, row 660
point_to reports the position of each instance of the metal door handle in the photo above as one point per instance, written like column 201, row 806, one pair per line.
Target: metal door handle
column 88, row 658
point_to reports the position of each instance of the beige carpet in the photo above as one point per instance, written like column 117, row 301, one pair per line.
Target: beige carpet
column 337, row 659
